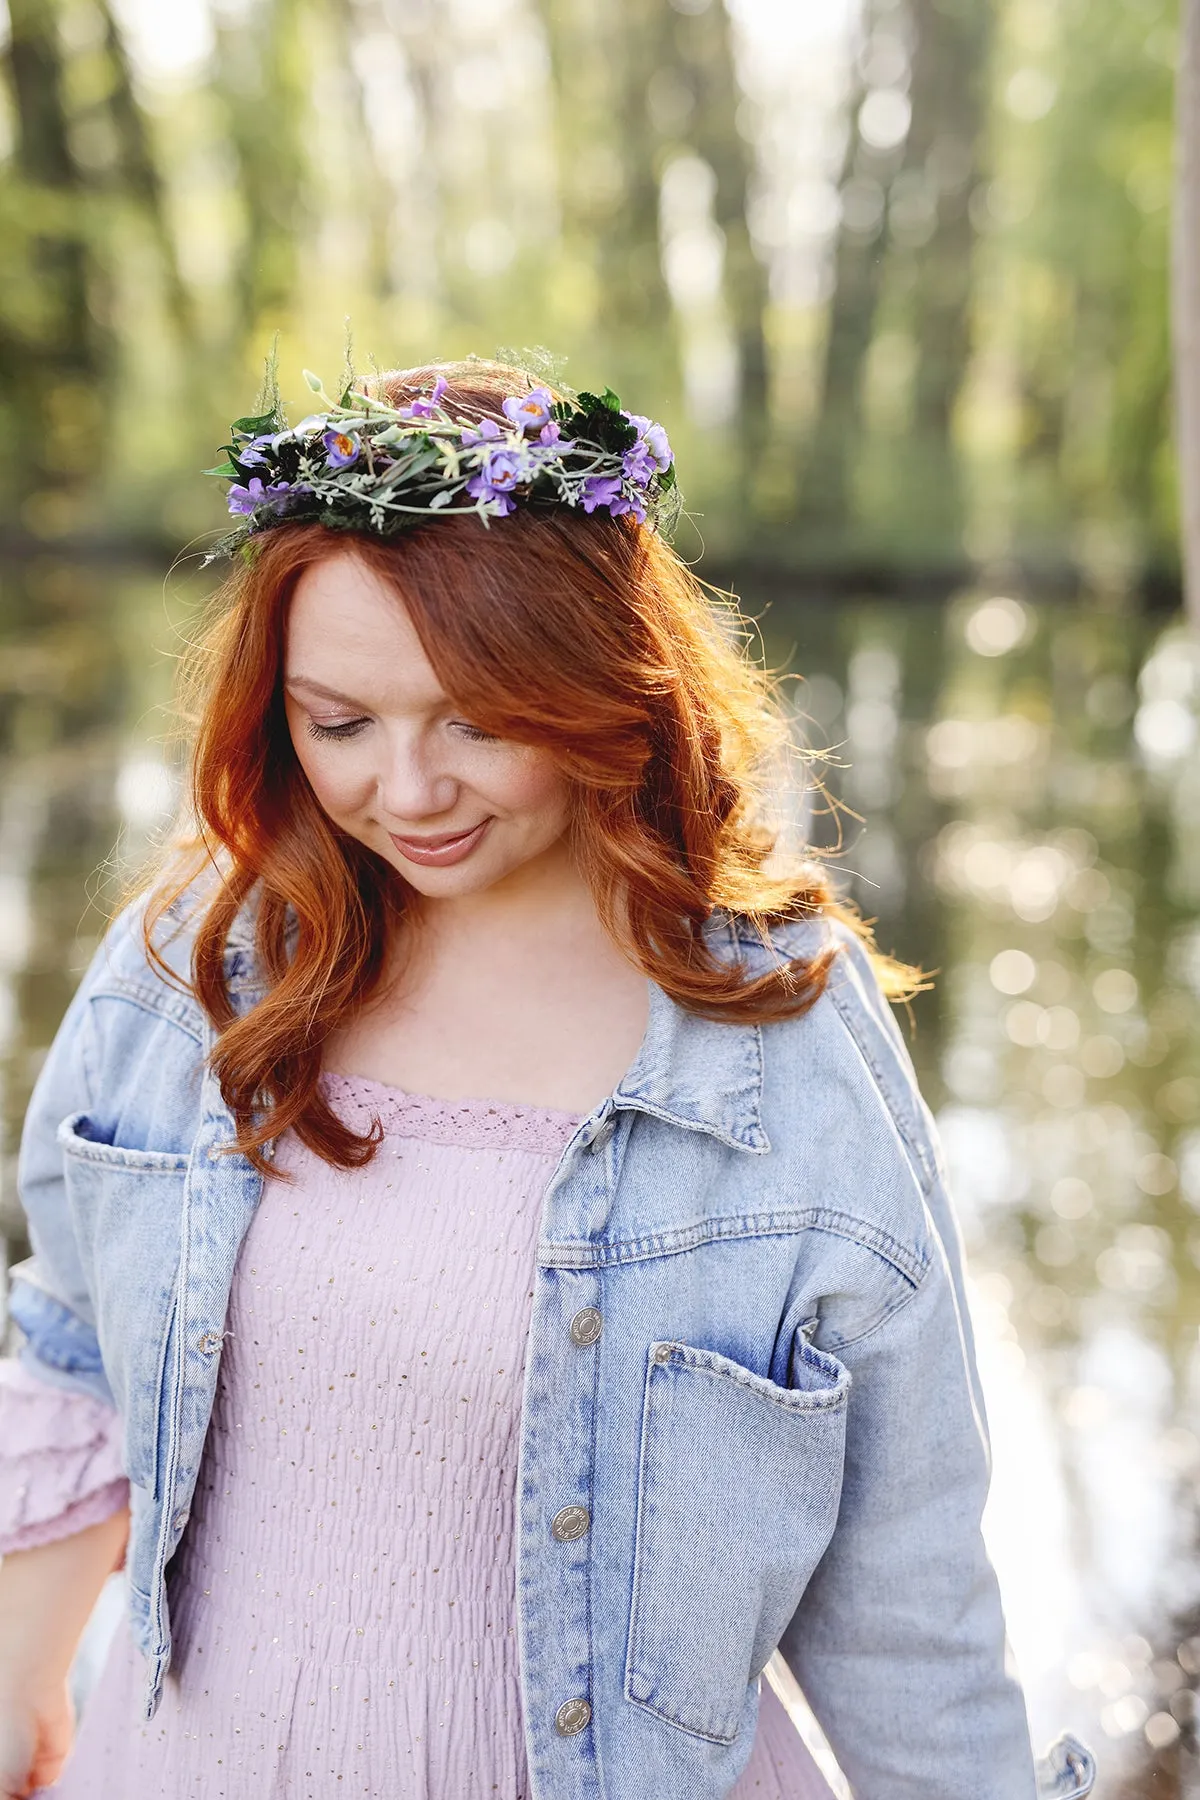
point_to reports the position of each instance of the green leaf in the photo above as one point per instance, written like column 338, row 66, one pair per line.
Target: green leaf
column 609, row 399
column 666, row 478
column 259, row 426
column 226, row 470
column 314, row 382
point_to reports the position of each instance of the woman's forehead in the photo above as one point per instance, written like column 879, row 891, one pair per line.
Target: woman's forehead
column 348, row 630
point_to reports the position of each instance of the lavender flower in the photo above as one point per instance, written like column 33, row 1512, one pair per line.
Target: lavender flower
column 342, row 447
column 494, row 482
column 552, row 436
column 487, row 432
column 248, row 499
column 252, row 453
column 427, row 408
column 652, row 450
column 601, row 490
column 530, row 411
column 639, row 464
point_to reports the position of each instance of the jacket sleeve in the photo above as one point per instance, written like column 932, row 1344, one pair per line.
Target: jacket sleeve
column 899, row 1643
column 49, row 1298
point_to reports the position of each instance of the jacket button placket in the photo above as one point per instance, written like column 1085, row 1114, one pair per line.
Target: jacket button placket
column 562, row 1424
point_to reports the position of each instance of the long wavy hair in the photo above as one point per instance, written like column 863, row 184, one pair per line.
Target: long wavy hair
column 585, row 635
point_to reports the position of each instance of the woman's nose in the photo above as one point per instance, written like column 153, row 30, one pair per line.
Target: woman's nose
column 413, row 786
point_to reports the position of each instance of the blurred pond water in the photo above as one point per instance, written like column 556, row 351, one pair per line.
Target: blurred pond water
column 1020, row 811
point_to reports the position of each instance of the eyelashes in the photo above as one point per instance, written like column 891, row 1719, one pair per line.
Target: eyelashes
column 352, row 727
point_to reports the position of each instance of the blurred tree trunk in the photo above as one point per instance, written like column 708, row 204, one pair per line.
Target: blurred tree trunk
column 602, row 59
column 263, row 78
column 141, row 175
column 942, row 154
column 1186, row 298
column 51, row 347
column 825, row 493
column 923, row 245
column 705, row 52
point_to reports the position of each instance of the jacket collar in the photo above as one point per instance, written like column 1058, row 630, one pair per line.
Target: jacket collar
column 698, row 1073
column 692, row 1072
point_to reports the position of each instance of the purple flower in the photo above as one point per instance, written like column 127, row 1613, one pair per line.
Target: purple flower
column 638, row 463
column 652, row 440
column 530, row 411
column 501, row 472
column 487, row 431
column 552, row 436
column 427, row 408
column 252, row 453
column 248, row 499
column 659, row 447
column 601, row 490
column 628, row 503
column 342, row 447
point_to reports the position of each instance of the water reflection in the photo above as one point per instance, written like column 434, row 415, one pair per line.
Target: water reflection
column 1033, row 772
column 1029, row 798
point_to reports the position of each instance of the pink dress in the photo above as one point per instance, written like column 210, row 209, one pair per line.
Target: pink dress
column 344, row 1598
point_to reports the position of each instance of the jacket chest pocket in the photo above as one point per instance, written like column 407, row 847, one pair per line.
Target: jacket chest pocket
column 739, row 1486
column 127, row 1211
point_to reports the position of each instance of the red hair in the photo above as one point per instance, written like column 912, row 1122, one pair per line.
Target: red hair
column 583, row 634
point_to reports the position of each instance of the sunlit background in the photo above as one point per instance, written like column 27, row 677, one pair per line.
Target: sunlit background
column 894, row 274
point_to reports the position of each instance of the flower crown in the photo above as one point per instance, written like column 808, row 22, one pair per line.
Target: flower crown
column 362, row 465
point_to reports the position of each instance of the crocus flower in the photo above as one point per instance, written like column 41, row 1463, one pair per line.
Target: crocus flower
column 252, row 453
column 495, row 481
column 628, row 503
column 342, row 448
column 427, row 408
column 248, row 499
column 551, row 435
column 600, row 490
column 486, row 431
column 652, row 441
column 530, row 411
column 639, row 464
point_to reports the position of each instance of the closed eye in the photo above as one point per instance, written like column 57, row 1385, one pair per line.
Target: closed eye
column 474, row 733
column 350, row 729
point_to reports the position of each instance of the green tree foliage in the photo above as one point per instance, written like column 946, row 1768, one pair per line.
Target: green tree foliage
column 978, row 342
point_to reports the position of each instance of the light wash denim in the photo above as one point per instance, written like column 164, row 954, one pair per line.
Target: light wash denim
column 749, row 1360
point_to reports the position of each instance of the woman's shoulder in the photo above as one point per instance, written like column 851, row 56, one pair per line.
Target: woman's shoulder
column 845, row 1053
column 145, row 956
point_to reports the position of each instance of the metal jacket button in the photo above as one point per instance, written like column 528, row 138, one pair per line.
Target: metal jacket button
column 586, row 1327
column 572, row 1717
column 570, row 1522
column 603, row 1133
column 209, row 1341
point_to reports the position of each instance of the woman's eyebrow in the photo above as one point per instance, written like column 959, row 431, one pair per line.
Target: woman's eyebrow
column 325, row 693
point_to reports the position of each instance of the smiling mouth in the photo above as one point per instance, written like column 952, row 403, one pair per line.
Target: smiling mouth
column 445, row 848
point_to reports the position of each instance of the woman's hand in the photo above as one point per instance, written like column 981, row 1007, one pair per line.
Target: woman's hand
column 46, row 1597
column 36, row 1731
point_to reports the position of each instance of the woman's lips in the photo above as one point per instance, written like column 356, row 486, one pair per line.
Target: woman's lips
column 439, row 852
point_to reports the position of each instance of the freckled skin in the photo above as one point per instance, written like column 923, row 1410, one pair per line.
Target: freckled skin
column 406, row 759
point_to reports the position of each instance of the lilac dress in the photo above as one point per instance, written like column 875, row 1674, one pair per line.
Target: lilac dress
column 344, row 1597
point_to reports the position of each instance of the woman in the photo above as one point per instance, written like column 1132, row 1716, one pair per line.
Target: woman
column 489, row 1250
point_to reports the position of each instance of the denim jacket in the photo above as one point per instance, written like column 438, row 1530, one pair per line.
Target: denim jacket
column 749, row 1363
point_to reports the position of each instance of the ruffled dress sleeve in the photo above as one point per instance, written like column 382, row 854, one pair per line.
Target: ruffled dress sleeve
column 60, row 1460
